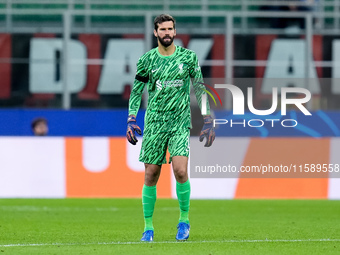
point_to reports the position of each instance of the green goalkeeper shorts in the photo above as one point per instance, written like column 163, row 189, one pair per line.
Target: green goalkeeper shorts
column 154, row 146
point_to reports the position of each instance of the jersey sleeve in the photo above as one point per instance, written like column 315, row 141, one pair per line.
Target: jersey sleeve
column 198, row 83
column 140, row 81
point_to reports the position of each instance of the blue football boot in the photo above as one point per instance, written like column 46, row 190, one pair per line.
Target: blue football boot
column 183, row 231
column 147, row 236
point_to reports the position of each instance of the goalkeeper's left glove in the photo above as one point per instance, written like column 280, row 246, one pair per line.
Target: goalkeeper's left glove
column 208, row 131
column 132, row 127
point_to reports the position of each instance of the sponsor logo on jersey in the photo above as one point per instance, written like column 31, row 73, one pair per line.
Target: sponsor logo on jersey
column 159, row 85
column 165, row 84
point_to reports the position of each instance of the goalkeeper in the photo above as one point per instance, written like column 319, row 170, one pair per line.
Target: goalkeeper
column 166, row 71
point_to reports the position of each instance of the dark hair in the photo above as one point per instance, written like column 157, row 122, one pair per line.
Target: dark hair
column 37, row 121
column 163, row 18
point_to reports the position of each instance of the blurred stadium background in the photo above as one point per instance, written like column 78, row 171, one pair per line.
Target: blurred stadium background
column 73, row 62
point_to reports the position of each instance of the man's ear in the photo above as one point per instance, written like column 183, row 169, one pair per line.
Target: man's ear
column 155, row 32
column 175, row 32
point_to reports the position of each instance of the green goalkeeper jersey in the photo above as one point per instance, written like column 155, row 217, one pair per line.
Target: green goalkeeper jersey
column 168, row 84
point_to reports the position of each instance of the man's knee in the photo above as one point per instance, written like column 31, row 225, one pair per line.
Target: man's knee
column 180, row 168
column 152, row 173
column 181, row 174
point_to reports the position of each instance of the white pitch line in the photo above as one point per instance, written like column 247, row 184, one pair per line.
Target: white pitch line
column 27, row 208
column 175, row 242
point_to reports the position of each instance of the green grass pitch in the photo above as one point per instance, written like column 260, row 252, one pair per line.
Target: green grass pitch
column 114, row 226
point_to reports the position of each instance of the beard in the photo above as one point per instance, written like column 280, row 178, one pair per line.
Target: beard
column 166, row 43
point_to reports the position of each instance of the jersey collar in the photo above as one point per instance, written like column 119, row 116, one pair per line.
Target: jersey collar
column 162, row 56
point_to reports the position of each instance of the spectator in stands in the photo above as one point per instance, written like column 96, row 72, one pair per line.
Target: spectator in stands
column 290, row 5
column 309, row 6
column 39, row 127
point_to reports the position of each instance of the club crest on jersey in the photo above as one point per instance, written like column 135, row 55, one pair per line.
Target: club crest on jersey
column 182, row 67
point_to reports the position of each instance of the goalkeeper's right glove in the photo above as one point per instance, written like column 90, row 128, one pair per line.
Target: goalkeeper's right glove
column 131, row 128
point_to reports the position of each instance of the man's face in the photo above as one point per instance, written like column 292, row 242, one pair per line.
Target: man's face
column 40, row 129
column 165, row 33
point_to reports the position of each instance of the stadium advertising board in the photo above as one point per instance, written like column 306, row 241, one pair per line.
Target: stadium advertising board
column 59, row 167
column 31, row 68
